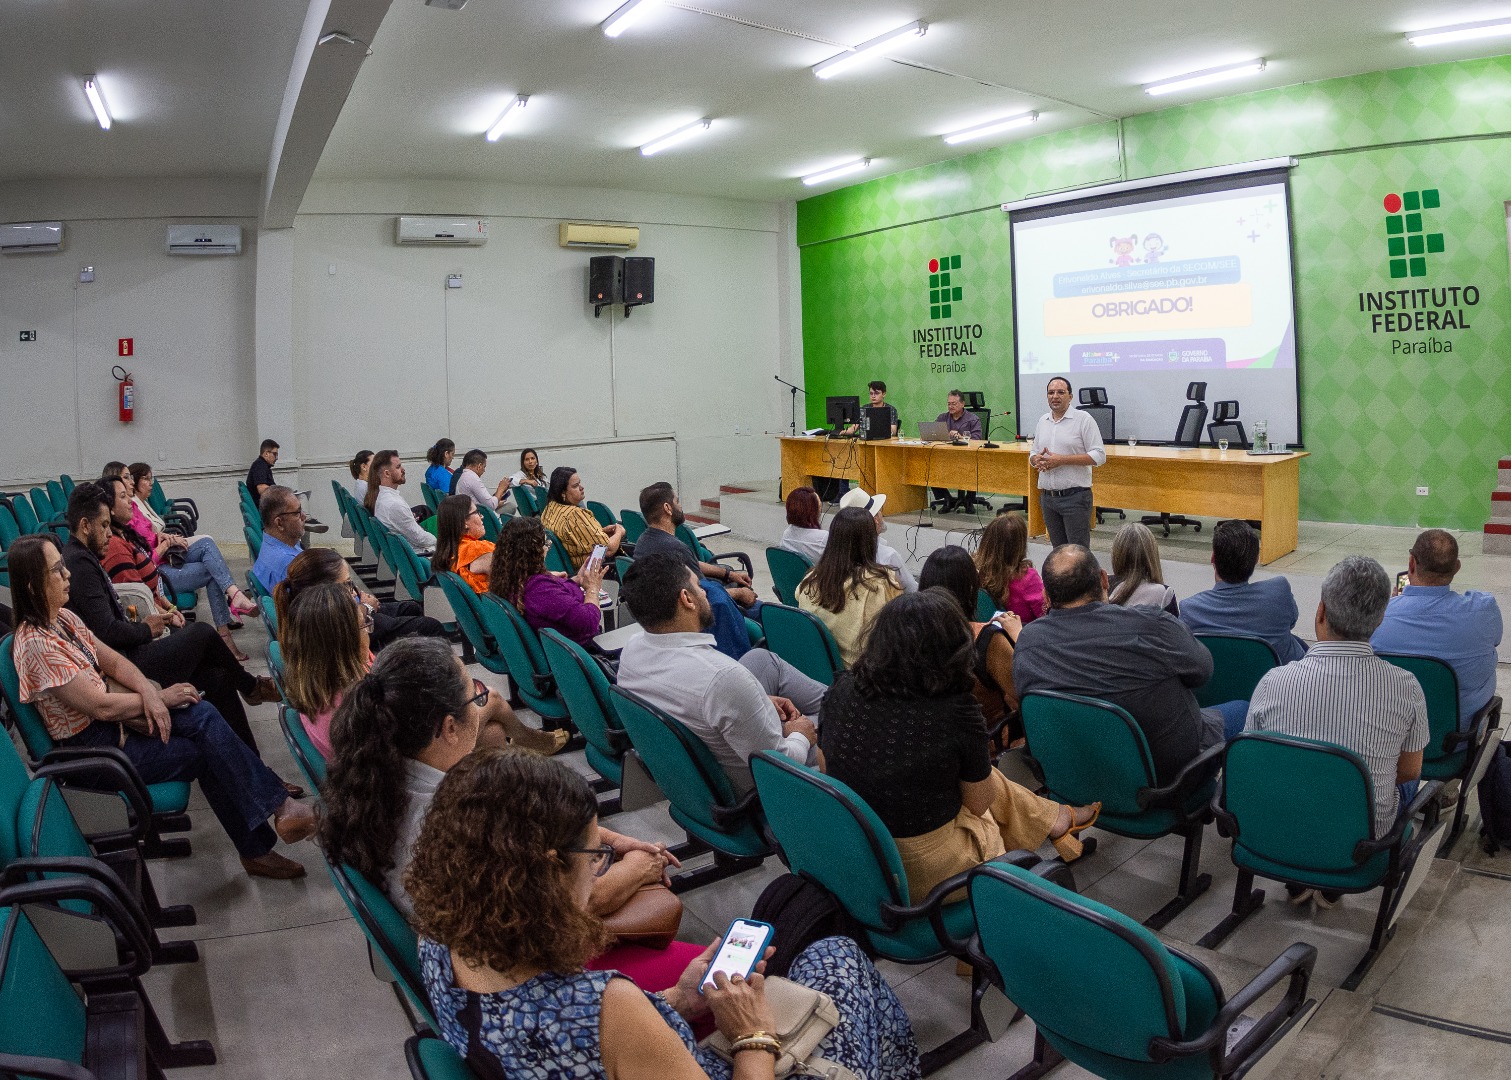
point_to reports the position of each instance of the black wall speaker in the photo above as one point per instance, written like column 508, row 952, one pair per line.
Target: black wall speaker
column 605, row 281
column 639, row 281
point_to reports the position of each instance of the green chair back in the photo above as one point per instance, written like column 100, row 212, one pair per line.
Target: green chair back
column 529, row 499
column 431, row 1058
column 58, row 497
column 802, row 640
column 688, row 775
column 432, row 497
column 254, row 541
column 986, row 607
column 158, row 499
column 1299, row 804
column 1238, row 663
column 10, row 528
column 14, row 780
column 41, row 1015
column 602, row 514
column 26, row 516
column 391, row 936
column 68, row 484
column 301, row 747
column 1441, row 688
column 41, row 502
column 622, row 565
column 557, row 558
column 492, row 525
column 413, row 572
column 634, row 524
column 269, row 613
column 684, row 533
column 1050, row 945
column 585, row 690
column 787, row 569
column 1090, row 750
column 464, row 604
column 523, row 654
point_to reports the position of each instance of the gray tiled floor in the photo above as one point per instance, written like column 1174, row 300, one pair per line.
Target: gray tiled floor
column 284, row 988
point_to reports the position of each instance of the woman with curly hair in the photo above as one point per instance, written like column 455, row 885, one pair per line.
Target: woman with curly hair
column 459, row 544
column 1007, row 575
column 502, row 880
column 397, row 733
column 545, row 599
column 903, row 729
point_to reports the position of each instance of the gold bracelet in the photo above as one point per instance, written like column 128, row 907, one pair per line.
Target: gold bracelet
column 769, row 1044
column 756, row 1035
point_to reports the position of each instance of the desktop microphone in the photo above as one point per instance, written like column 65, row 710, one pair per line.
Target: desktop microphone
column 989, row 445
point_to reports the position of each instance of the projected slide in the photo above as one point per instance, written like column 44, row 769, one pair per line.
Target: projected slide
column 1146, row 292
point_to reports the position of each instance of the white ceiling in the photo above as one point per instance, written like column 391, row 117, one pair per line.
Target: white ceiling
column 196, row 86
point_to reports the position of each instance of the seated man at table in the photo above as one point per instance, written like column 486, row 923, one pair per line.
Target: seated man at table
column 759, row 702
column 1237, row 605
column 1430, row 619
column 1139, row 658
column 962, row 425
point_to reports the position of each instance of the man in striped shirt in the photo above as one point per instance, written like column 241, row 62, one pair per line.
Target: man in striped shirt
column 1341, row 692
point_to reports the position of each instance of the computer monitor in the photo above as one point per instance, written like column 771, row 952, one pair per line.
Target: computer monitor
column 841, row 412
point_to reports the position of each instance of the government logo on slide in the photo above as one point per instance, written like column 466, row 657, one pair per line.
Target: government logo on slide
column 941, row 293
column 1405, row 239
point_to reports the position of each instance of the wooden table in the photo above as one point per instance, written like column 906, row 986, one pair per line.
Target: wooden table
column 1198, row 481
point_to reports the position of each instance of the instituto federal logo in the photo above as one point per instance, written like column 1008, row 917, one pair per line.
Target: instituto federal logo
column 942, row 294
column 1406, row 240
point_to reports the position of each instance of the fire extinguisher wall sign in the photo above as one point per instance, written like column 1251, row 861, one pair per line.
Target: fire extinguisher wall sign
column 125, row 394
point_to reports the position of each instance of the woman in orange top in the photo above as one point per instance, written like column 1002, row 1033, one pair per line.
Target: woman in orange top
column 459, row 545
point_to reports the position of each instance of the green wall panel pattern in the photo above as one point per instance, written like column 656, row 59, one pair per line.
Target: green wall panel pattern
column 1378, row 421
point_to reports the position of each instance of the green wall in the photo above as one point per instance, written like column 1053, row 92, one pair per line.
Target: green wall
column 1378, row 421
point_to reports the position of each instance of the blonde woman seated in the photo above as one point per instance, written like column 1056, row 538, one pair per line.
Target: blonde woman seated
column 502, row 881
column 459, row 544
column 904, row 730
column 1006, row 573
column 848, row 586
column 1137, row 579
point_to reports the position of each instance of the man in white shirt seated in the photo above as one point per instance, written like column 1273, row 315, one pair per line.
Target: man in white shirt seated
column 1067, row 446
column 385, row 476
column 469, row 481
column 886, row 554
column 759, row 702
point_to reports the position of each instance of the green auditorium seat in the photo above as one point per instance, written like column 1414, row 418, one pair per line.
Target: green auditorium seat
column 520, row 647
column 986, row 607
column 634, row 524
column 1109, row 996
column 390, row 939
column 557, row 558
column 586, row 691
column 685, row 533
column 602, row 514
column 1238, row 663
column 801, row 639
column 431, row 1058
column 1085, row 751
column 787, row 569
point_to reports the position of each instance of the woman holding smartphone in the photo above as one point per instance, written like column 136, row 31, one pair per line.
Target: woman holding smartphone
column 502, row 872
column 519, row 575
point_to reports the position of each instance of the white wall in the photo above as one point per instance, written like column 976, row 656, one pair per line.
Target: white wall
column 381, row 355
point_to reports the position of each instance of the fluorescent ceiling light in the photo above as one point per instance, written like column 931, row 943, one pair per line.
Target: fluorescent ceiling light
column 835, row 64
column 672, row 138
column 981, row 131
column 625, row 16
column 96, row 101
column 510, row 111
column 839, row 170
column 1445, row 35
column 1203, row 78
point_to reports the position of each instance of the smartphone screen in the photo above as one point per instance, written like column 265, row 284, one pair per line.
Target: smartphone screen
column 744, row 944
column 595, row 560
column 1402, row 581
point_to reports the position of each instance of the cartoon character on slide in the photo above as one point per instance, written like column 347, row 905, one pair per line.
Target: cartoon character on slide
column 1122, row 249
column 1154, row 248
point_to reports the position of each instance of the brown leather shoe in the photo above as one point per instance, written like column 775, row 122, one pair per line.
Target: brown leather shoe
column 266, row 692
column 273, row 865
column 294, row 822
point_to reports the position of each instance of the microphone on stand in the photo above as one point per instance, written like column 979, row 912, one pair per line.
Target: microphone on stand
column 989, row 445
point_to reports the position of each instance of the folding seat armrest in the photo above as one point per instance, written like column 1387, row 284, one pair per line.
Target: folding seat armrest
column 732, row 817
column 20, row 871
column 1196, row 772
column 42, row 1068
column 931, row 907
column 1479, row 725
column 104, row 901
column 738, row 556
column 1425, row 803
column 93, row 772
column 1295, row 964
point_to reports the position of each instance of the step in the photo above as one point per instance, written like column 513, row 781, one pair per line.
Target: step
column 711, row 506
column 736, row 489
column 702, row 519
column 1497, row 538
column 1500, row 505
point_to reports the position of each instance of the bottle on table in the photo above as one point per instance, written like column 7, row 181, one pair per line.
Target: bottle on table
column 1262, row 436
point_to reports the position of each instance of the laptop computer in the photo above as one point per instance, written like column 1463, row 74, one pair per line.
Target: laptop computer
column 933, row 431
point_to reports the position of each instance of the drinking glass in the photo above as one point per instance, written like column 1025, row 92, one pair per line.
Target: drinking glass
column 1222, row 445
column 1132, row 443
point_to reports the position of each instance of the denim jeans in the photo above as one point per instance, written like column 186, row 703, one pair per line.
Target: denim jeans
column 241, row 790
column 203, row 565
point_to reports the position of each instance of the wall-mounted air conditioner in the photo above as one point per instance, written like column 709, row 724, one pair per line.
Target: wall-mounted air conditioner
column 204, row 239
column 21, row 237
column 577, row 234
column 471, row 232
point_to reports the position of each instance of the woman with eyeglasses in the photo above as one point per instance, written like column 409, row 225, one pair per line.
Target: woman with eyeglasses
column 545, row 599
column 504, row 873
column 324, row 635
column 459, row 544
column 168, row 733
column 400, row 729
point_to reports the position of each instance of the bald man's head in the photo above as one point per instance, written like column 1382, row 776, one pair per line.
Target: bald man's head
column 1437, row 556
column 1072, row 575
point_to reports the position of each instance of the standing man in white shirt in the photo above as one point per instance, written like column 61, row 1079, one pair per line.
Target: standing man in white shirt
column 1067, row 445
column 385, row 476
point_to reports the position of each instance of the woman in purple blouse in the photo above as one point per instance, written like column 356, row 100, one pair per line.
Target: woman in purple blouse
column 546, row 599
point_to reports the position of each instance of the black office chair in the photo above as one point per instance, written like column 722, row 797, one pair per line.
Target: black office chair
column 967, row 501
column 1094, row 404
column 1226, row 425
column 1188, row 433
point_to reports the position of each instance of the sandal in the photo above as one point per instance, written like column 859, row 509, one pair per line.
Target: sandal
column 1096, row 812
column 225, row 635
column 241, row 604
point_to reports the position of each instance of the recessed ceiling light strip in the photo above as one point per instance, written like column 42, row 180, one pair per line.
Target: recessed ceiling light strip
column 626, row 15
column 1448, row 35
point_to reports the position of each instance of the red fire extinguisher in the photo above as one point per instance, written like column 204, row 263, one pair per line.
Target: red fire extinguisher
column 126, row 394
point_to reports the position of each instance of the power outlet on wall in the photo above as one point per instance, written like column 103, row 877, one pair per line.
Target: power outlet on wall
column 1422, row 490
